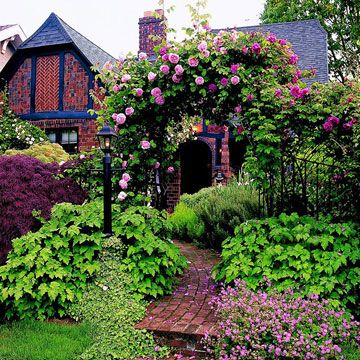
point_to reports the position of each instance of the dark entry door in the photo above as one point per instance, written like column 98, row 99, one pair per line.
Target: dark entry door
column 196, row 169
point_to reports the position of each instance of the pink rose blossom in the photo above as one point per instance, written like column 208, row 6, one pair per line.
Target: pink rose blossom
column 120, row 118
column 212, row 88
column 193, row 62
column 163, row 51
column 205, row 53
column 174, row 58
column 123, row 184
column 156, row 92
column 164, row 69
column 295, row 91
column 234, row 68
column 131, row 156
column 145, row 144
column 124, row 164
column 282, row 42
column 256, row 48
column 129, row 111
column 202, row 46
column 157, row 165
column 122, row 196
column 160, row 100
column 235, row 80
column 151, row 76
column 82, row 157
column 245, row 50
column 218, row 41
column 125, row 78
column 271, row 38
column 199, row 80
column 223, row 50
column 126, row 177
column 293, row 59
column 250, row 97
column 278, row 93
column 170, row 169
column 139, row 92
column 114, row 116
column 328, row 126
column 238, row 109
column 334, row 120
column 165, row 57
column 116, row 88
column 142, row 56
column 224, row 81
column 179, row 70
column 176, row 79
column 304, row 92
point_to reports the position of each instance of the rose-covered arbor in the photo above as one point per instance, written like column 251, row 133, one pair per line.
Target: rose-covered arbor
column 248, row 83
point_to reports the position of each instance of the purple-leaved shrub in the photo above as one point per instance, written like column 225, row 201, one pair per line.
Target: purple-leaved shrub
column 268, row 325
column 27, row 184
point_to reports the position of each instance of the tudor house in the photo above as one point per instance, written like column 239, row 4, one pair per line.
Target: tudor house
column 49, row 78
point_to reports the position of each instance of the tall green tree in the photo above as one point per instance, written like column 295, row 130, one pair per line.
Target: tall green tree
column 341, row 20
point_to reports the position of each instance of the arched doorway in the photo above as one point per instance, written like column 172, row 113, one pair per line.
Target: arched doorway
column 196, row 167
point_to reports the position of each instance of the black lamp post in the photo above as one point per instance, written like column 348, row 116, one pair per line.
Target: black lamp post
column 107, row 138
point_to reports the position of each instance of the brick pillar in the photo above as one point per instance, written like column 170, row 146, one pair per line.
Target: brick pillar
column 174, row 189
column 225, row 157
column 151, row 25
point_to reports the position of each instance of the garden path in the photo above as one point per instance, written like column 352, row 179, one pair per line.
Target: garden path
column 185, row 316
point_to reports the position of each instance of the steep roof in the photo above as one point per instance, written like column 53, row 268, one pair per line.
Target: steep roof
column 55, row 31
column 308, row 39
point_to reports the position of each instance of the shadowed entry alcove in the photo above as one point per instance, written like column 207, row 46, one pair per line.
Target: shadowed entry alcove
column 196, row 166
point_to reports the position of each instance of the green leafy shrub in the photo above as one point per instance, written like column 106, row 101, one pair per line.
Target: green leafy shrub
column 300, row 252
column 110, row 308
column 185, row 224
column 151, row 259
column 14, row 132
column 45, row 152
column 216, row 212
column 48, row 269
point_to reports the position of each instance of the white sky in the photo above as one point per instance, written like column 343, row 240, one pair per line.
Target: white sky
column 113, row 24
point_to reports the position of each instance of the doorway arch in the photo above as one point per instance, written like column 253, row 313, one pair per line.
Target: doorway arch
column 196, row 166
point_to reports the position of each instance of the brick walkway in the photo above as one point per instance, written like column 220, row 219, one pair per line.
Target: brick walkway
column 186, row 311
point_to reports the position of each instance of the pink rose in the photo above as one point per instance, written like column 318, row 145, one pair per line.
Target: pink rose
column 193, row 62
column 224, row 81
column 179, row 70
column 202, row 46
column 164, row 69
column 244, row 50
column 328, row 126
column 139, row 92
column 218, row 41
column 278, row 93
column 151, row 76
column 212, row 88
column 126, row 177
column 82, row 157
column 176, row 79
column 282, row 42
column 170, row 169
column 160, row 100
column 293, row 59
column 122, row 195
column 162, row 51
column 250, row 97
column 256, row 48
column 234, row 68
column 125, row 78
column 129, row 111
column 238, row 109
column 145, row 144
column 120, row 118
column 223, row 50
column 124, row 164
column 116, row 88
column 295, row 91
column 157, row 165
column 334, row 120
column 142, row 56
column 165, row 58
column 205, row 53
column 131, row 157
column 174, row 58
column 123, row 184
column 271, row 38
column 156, row 92
column 235, row 80
column 199, row 80
column 114, row 116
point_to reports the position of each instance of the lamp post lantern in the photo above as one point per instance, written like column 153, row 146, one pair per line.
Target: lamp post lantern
column 107, row 139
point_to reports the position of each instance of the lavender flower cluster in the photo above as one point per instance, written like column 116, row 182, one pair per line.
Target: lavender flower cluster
column 267, row 325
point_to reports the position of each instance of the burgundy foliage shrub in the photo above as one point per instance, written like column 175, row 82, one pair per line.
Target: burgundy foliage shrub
column 27, row 184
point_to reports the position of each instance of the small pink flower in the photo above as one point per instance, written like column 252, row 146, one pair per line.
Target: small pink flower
column 82, row 157
column 170, row 169
column 124, row 164
column 205, row 53
column 139, row 92
column 114, row 116
column 131, row 157
column 223, row 50
column 123, row 184
column 224, row 81
column 212, row 88
column 202, row 46
column 162, row 51
column 151, row 76
column 282, row 42
column 245, row 50
column 328, row 126
column 160, row 100
column 157, row 165
column 145, row 144
column 164, row 69
column 174, row 58
column 142, row 56
column 235, row 80
column 293, row 59
column 165, row 57
column 120, row 118
column 176, row 79
column 250, row 97
column 238, row 109
column 122, row 196
column 126, row 177
column 129, row 111
column 295, row 91
column 116, row 88
column 179, row 69
column 334, row 120
column 234, row 68
column 256, row 48
column 199, row 80
column 271, row 38
column 156, row 92
column 278, row 93
column 193, row 62
column 125, row 78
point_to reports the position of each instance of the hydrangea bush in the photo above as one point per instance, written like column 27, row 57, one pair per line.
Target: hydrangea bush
column 270, row 325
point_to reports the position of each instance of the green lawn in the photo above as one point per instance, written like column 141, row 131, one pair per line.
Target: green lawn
column 35, row 340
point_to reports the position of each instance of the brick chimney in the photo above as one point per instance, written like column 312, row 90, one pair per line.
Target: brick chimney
column 151, row 25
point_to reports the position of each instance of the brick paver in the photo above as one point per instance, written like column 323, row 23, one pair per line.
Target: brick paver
column 187, row 310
